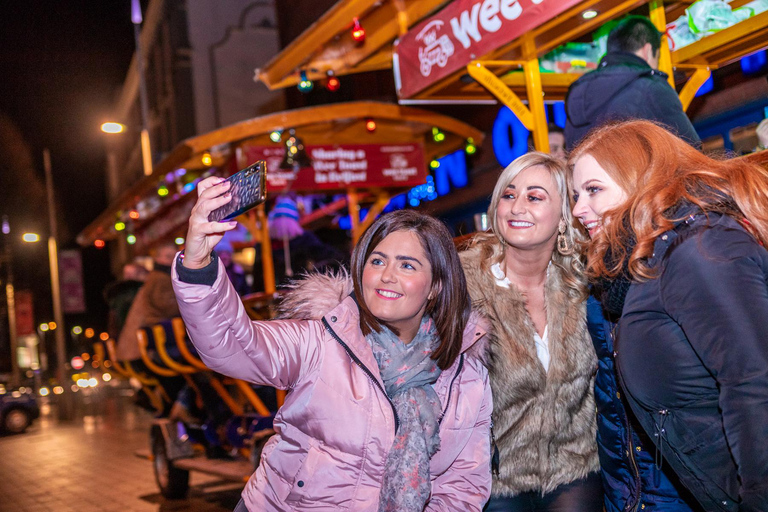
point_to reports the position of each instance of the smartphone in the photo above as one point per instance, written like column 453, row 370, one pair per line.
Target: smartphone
column 249, row 189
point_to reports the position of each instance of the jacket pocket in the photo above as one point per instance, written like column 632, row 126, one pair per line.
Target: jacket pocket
column 452, row 442
column 325, row 481
column 709, row 463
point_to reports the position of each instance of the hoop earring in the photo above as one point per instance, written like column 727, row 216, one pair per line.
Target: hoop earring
column 564, row 245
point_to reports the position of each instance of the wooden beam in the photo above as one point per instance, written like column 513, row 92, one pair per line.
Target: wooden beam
column 740, row 39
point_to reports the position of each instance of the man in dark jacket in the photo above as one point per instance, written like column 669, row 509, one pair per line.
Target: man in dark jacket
column 625, row 85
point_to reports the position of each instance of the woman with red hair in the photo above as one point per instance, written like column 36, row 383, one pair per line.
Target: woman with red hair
column 678, row 258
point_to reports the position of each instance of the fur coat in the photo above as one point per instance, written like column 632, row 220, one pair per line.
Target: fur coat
column 543, row 422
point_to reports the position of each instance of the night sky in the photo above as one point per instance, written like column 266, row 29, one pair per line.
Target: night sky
column 62, row 64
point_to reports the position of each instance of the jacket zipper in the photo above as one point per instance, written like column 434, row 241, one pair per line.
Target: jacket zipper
column 450, row 389
column 635, row 470
column 630, row 448
column 365, row 369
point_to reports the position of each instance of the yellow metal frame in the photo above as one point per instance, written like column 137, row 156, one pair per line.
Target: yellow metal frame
column 159, row 332
column 180, row 332
column 141, row 336
column 533, row 116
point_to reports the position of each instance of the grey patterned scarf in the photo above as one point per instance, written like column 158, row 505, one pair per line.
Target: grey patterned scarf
column 408, row 373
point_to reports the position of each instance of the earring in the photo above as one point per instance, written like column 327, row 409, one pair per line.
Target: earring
column 563, row 244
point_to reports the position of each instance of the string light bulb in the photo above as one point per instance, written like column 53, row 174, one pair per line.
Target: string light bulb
column 358, row 32
column 305, row 84
column 370, row 125
column 470, row 148
column 333, row 84
column 437, row 135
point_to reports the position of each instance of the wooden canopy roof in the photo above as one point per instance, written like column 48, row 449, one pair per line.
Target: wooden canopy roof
column 340, row 123
column 327, row 45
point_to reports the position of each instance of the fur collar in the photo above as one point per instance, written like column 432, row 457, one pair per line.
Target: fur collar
column 544, row 422
column 314, row 295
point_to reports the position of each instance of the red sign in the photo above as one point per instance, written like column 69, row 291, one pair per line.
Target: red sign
column 71, row 275
column 344, row 165
column 463, row 31
column 25, row 316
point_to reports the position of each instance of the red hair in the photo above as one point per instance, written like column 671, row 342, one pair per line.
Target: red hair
column 658, row 170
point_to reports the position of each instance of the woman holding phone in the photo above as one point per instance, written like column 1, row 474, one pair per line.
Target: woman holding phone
column 389, row 405
column 677, row 255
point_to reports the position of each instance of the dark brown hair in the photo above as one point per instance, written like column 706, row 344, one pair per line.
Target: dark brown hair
column 657, row 170
column 449, row 308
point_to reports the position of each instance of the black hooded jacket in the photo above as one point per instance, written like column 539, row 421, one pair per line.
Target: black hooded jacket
column 623, row 87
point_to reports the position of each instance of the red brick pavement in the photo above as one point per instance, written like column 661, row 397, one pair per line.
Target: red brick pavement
column 90, row 465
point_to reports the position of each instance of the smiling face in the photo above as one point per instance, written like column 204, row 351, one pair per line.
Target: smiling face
column 595, row 192
column 397, row 282
column 530, row 209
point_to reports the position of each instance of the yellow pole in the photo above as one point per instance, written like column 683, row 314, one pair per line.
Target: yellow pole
column 535, row 93
column 659, row 19
column 267, row 264
column 354, row 213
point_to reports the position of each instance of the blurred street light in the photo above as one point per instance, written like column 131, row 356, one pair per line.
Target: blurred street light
column 112, row 127
column 30, row 237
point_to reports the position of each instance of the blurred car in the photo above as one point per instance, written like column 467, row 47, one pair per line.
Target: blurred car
column 18, row 408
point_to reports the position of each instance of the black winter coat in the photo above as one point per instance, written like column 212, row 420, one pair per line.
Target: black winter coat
column 623, row 87
column 693, row 359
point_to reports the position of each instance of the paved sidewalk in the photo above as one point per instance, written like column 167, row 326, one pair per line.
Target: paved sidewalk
column 89, row 465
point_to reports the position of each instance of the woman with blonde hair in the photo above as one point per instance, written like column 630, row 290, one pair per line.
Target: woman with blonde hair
column 677, row 252
column 526, row 279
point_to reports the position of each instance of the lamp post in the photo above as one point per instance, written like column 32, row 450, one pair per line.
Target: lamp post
column 113, row 179
column 11, row 300
column 65, row 406
column 146, row 150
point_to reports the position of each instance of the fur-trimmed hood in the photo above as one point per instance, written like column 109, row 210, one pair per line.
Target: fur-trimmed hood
column 314, row 295
column 544, row 420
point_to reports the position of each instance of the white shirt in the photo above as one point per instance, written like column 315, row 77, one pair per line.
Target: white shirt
column 542, row 342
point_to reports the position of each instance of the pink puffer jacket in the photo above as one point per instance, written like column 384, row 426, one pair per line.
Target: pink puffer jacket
column 337, row 424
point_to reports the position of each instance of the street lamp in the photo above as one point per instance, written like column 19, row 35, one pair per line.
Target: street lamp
column 112, row 127
column 30, row 237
